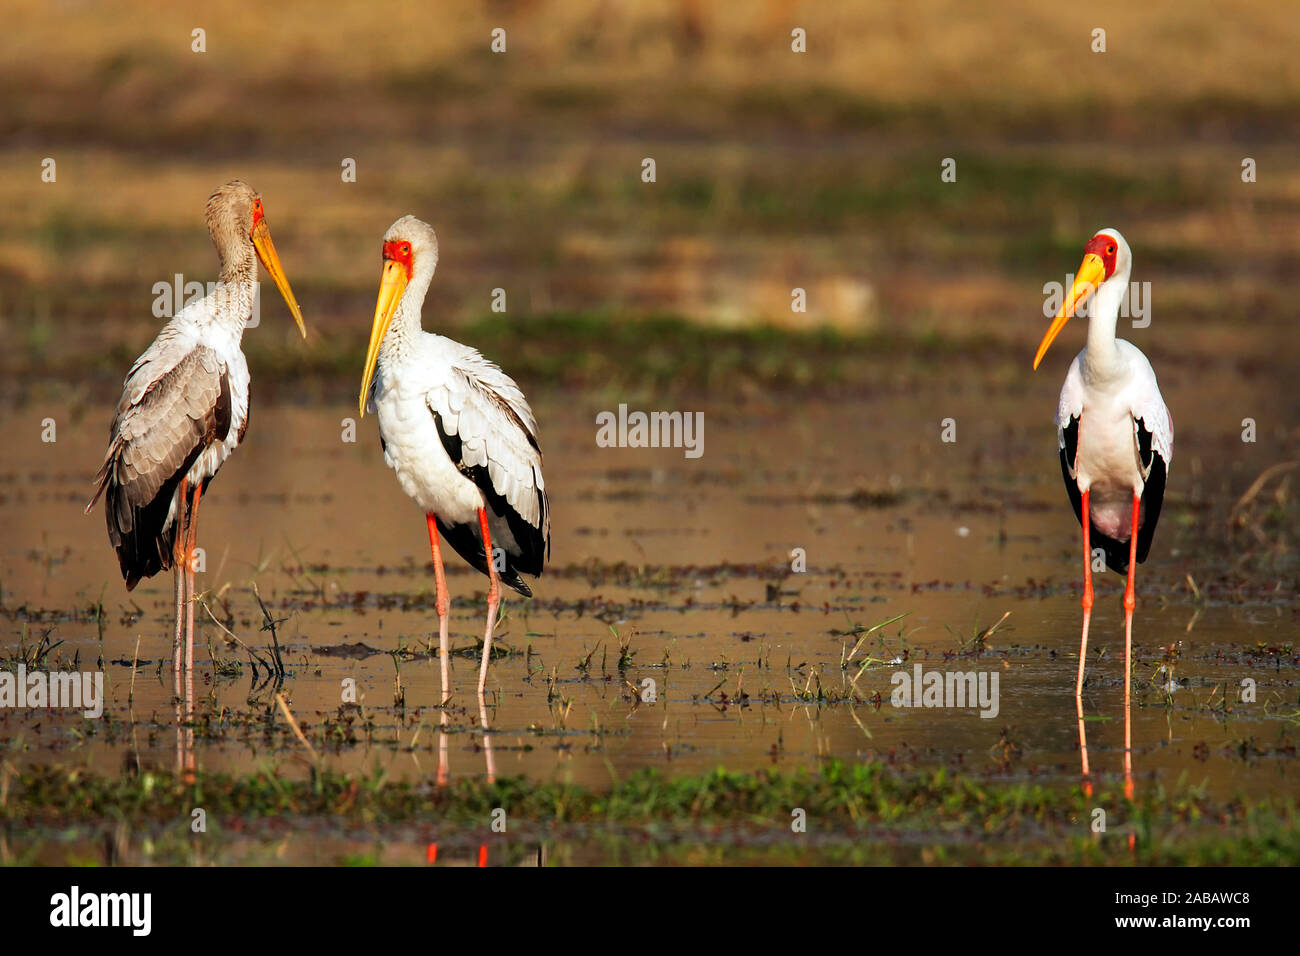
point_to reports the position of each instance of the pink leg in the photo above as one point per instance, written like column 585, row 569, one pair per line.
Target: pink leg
column 443, row 605
column 487, row 740
column 1087, row 598
column 1083, row 643
column 190, row 545
column 178, row 571
column 1130, row 602
column 494, row 599
column 443, row 752
column 179, row 636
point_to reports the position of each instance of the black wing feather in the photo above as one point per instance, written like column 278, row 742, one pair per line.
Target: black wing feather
column 1152, row 497
column 1071, row 435
column 1153, row 494
column 529, row 545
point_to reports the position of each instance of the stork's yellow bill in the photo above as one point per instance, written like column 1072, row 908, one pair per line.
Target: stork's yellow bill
column 392, row 284
column 261, row 236
column 1090, row 275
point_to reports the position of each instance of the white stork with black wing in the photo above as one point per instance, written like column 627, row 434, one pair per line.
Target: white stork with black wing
column 184, row 409
column 459, row 434
column 1115, row 434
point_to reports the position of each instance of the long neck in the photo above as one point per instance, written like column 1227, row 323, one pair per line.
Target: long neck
column 231, row 302
column 405, row 328
column 1103, row 356
column 238, row 261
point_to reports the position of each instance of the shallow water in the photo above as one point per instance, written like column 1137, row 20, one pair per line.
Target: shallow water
column 688, row 561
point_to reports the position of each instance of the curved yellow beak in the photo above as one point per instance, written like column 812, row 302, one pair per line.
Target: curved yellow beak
column 261, row 236
column 391, row 286
column 1091, row 271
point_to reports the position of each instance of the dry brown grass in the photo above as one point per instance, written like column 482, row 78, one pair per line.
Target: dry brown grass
column 1013, row 50
column 776, row 170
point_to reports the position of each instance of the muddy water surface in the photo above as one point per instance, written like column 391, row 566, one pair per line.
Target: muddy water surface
column 673, row 575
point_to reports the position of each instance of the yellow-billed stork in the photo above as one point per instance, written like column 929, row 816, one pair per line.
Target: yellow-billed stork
column 1116, row 437
column 184, row 409
column 459, row 434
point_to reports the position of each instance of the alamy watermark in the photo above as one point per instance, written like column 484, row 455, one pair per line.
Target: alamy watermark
column 958, row 689
column 639, row 429
column 131, row 911
column 1136, row 303
column 171, row 297
column 74, row 690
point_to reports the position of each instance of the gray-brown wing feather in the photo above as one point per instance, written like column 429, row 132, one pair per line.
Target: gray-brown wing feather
column 160, row 429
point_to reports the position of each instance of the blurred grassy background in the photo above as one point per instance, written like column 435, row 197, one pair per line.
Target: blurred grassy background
column 775, row 170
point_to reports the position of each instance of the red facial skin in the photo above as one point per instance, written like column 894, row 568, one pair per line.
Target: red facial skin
column 400, row 252
column 1105, row 248
column 258, row 214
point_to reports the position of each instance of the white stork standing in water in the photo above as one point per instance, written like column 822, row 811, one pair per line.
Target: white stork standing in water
column 459, row 434
column 1116, row 437
column 184, row 409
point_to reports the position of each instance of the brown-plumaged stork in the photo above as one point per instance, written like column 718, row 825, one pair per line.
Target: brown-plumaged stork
column 458, row 433
column 1115, row 435
column 184, row 409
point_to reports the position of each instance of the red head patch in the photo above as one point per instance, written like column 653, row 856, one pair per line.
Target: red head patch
column 1105, row 247
column 258, row 214
column 400, row 251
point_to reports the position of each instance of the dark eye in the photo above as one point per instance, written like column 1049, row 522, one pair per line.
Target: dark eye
column 1110, row 250
column 405, row 248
